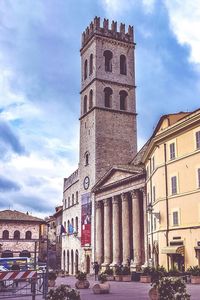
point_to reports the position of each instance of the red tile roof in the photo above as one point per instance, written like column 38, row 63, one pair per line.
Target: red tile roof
column 14, row 215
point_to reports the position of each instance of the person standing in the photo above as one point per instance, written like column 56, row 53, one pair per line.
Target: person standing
column 96, row 269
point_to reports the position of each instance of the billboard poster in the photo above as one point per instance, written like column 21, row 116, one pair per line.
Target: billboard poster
column 86, row 212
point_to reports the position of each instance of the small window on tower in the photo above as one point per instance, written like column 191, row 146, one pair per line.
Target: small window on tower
column 108, row 60
column 86, row 158
column 85, row 69
column 123, row 64
column 107, row 96
column 85, row 105
column 91, row 64
column 123, row 100
column 91, row 99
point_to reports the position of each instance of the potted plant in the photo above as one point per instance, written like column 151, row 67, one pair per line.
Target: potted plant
column 118, row 273
column 103, row 287
column 169, row 288
column 52, row 278
column 126, row 274
column 195, row 274
column 82, row 282
column 174, row 272
column 145, row 276
column 63, row 292
column 109, row 273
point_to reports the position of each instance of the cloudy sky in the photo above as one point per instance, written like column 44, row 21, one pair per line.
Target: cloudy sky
column 40, row 84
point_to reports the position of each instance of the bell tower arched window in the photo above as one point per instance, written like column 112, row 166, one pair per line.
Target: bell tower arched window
column 91, row 99
column 85, row 69
column 123, row 64
column 108, row 60
column 85, row 105
column 86, row 158
column 91, row 64
column 108, row 96
column 123, row 100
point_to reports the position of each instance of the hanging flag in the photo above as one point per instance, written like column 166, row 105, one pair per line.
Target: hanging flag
column 63, row 230
column 71, row 229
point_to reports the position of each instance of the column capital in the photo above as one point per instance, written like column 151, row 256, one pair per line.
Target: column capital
column 115, row 199
column 134, row 193
column 106, row 202
column 124, row 197
column 143, row 190
column 98, row 204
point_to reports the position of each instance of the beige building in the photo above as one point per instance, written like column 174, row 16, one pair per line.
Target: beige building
column 19, row 234
column 172, row 162
column 107, row 132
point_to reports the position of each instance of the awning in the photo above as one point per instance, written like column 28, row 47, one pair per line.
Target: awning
column 173, row 250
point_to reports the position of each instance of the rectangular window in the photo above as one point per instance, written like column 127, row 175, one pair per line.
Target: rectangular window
column 172, row 150
column 154, row 193
column 175, row 218
column 147, row 172
column 153, row 163
column 198, row 139
column 174, row 185
column 154, row 223
column 198, row 177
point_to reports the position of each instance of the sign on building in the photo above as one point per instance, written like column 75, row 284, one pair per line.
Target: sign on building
column 86, row 212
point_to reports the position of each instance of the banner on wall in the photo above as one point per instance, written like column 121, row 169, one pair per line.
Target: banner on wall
column 86, row 213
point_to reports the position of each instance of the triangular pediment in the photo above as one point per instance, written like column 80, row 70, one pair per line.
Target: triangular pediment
column 117, row 175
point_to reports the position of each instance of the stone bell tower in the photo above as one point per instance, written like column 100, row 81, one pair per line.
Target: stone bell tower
column 108, row 133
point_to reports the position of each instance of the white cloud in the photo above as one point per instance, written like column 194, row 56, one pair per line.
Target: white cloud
column 117, row 7
column 185, row 23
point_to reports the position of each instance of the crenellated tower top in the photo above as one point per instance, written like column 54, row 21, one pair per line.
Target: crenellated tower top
column 95, row 28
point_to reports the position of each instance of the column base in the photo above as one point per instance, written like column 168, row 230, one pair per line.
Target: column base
column 104, row 266
column 135, row 267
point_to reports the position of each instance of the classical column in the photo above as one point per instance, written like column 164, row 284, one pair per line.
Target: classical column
column 136, row 230
column 107, row 232
column 145, row 227
column 125, row 229
column 99, row 236
column 116, row 241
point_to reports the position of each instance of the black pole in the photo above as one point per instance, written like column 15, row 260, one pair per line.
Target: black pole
column 167, row 204
column 33, row 283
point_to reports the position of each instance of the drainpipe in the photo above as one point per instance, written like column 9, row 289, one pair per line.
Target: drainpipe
column 167, row 203
column 151, row 215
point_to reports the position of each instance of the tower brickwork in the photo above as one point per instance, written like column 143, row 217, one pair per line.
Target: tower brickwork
column 108, row 111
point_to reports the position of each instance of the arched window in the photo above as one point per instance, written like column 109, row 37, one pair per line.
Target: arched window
column 91, row 64
column 85, row 69
column 28, row 235
column 68, row 201
column 68, row 226
column 123, row 64
column 91, row 99
column 86, row 158
column 16, row 235
column 77, row 197
column 7, row 253
column 72, row 199
column 85, row 105
column 108, row 60
column 123, row 100
column 65, row 203
column 76, row 228
column 5, row 235
column 25, row 253
column 107, row 96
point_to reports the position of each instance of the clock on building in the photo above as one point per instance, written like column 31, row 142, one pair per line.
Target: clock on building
column 86, row 182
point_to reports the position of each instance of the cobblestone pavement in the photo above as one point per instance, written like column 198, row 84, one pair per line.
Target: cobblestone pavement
column 118, row 290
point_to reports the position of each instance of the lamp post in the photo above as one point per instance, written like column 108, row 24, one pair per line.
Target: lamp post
column 151, row 212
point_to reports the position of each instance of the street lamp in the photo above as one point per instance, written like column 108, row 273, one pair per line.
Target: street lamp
column 150, row 210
